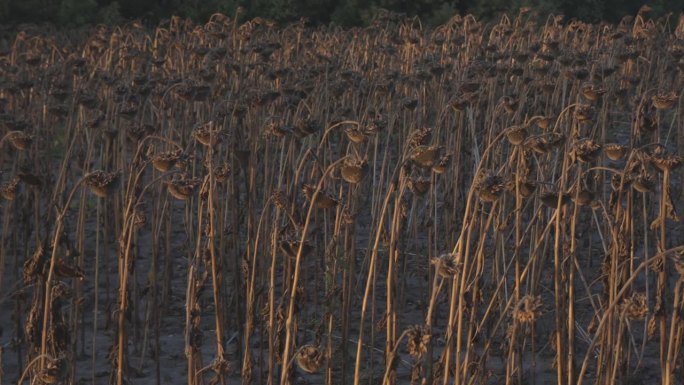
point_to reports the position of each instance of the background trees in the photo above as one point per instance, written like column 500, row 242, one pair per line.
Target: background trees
column 342, row 12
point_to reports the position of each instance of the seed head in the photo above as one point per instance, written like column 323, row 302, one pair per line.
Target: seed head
column 309, row 358
column 528, row 309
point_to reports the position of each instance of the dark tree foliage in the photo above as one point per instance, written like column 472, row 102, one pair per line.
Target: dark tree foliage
column 342, row 12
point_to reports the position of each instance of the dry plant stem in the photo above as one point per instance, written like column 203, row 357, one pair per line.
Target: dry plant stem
column 673, row 345
column 392, row 355
column 611, row 306
column 127, row 238
column 246, row 360
column 393, row 254
column 47, row 304
column 214, row 262
column 271, row 306
column 96, row 296
column 457, row 289
column 662, row 280
column 369, row 283
column 289, row 323
column 28, row 368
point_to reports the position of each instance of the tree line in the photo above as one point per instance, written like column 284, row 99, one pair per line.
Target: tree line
column 69, row 13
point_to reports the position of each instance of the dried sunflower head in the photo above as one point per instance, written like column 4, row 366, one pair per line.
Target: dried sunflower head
column 222, row 172
column 279, row 199
column 425, row 156
column 353, row 170
column 208, row 134
column 585, row 150
column 635, row 307
column 614, row 151
column 418, row 186
column 182, row 188
column 541, row 121
column 528, row 309
column 420, row 137
column 323, row 199
column 101, row 183
column 592, row 92
column 163, row 161
column 489, row 187
column 509, row 103
column 309, row 358
column 290, row 247
column 666, row 162
column 417, row 340
column 664, row 101
column 9, row 190
column 20, row 140
column 584, row 113
column 447, row 265
column 516, row 135
column 643, row 183
column 537, row 144
column 355, row 134
column 441, row 166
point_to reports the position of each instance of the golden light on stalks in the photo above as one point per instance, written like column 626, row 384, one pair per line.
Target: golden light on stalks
column 323, row 199
column 528, row 309
column 9, row 190
column 489, row 187
column 182, row 188
column 664, row 101
column 516, row 135
column 447, row 265
column 614, row 151
column 163, row 161
column 101, row 183
column 309, row 358
column 417, row 340
column 635, row 307
column 20, row 140
column 425, row 156
column 353, row 170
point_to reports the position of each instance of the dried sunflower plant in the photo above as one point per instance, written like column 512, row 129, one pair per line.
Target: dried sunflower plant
column 245, row 202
